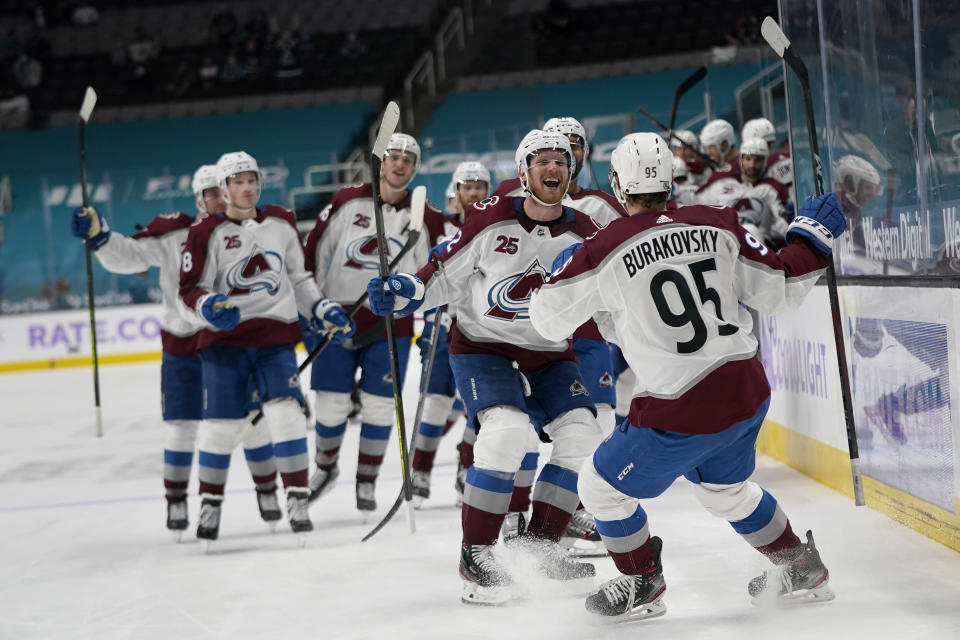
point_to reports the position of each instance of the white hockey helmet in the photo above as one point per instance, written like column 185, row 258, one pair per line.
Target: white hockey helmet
column 754, row 147
column 856, row 170
column 204, row 178
column 684, row 136
column 569, row 126
column 469, row 171
column 641, row 163
column 716, row 132
column 230, row 164
column 759, row 128
column 538, row 140
column 406, row 143
column 680, row 169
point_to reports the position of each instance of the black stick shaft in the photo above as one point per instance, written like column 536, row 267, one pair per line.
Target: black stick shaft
column 81, row 127
column 794, row 62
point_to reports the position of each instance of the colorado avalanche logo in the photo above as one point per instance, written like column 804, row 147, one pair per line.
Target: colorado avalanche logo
column 259, row 270
column 509, row 299
column 362, row 252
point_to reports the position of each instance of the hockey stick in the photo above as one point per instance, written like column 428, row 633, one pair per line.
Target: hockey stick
column 691, row 81
column 86, row 109
column 424, row 383
column 771, row 32
column 670, row 134
column 413, row 235
column 388, row 124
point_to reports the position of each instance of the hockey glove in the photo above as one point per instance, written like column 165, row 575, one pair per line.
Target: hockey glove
column 439, row 249
column 330, row 318
column 820, row 220
column 429, row 326
column 88, row 224
column 563, row 256
column 219, row 311
column 401, row 294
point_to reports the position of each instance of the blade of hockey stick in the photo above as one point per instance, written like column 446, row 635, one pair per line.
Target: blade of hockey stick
column 388, row 125
column 775, row 37
column 689, row 83
column 424, row 383
column 86, row 110
column 652, row 118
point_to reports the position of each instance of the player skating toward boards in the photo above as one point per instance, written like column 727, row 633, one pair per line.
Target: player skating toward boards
column 159, row 245
column 514, row 382
column 667, row 286
column 341, row 252
column 242, row 272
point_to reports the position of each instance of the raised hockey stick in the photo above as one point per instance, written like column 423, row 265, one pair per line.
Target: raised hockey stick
column 689, row 83
column 86, row 109
column 414, row 230
column 424, row 383
column 774, row 36
column 388, row 124
column 672, row 136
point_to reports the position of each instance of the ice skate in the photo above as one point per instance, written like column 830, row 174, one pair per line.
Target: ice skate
column 269, row 508
column 485, row 580
column 632, row 597
column 366, row 499
column 177, row 520
column 460, row 483
column 420, row 486
column 581, row 539
column 804, row 580
column 208, row 529
column 297, row 512
column 554, row 563
column 322, row 481
column 513, row 526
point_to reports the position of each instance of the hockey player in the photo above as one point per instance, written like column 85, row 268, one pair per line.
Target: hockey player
column 684, row 192
column 342, row 253
column 685, row 145
column 719, row 142
column 242, row 273
column 760, row 201
column 779, row 166
column 159, row 245
column 512, row 381
column 856, row 182
column 471, row 182
column 667, row 287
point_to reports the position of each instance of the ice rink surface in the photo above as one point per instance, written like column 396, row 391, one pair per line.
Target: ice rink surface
column 85, row 553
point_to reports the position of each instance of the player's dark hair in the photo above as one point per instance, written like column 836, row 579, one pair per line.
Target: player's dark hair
column 649, row 200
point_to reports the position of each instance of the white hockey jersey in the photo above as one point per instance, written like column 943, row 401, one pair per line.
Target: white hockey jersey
column 490, row 267
column 760, row 206
column 666, row 287
column 341, row 248
column 259, row 265
column 158, row 245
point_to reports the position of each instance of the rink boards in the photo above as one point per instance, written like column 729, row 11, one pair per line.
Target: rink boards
column 903, row 372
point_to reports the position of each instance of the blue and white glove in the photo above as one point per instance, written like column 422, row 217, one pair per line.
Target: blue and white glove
column 332, row 319
column 439, row 249
column 820, row 220
column 401, row 294
column 429, row 326
column 790, row 211
column 89, row 225
column 218, row 311
column 563, row 256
